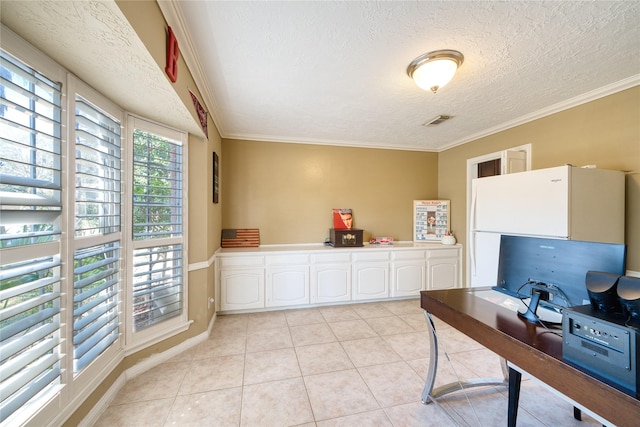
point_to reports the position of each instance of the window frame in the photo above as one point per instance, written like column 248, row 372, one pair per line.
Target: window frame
column 59, row 401
column 46, row 404
column 137, row 340
column 92, row 375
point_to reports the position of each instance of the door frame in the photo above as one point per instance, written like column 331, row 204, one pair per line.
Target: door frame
column 472, row 173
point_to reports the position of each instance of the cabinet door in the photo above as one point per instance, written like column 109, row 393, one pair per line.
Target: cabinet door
column 408, row 278
column 370, row 280
column 242, row 289
column 443, row 269
column 443, row 273
column 287, row 286
column 330, row 283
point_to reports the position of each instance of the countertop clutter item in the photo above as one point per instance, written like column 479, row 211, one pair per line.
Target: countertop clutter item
column 383, row 241
column 431, row 220
column 448, row 239
column 240, row 238
column 342, row 219
column 345, row 238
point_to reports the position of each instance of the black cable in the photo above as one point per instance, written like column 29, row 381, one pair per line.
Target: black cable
column 540, row 321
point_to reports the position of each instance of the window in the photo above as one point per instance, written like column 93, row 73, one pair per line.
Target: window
column 30, row 154
column 158, row 279
column 66, row 300
column 30, row 231
column 98, row 169
column 98, row 237
column 95, row 302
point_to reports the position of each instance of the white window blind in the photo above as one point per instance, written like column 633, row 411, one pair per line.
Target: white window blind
column 157, row 285
column 157, row 229
column 30, row 179
column 157, row 192
column 30, row 225
column 98, row 176
column 97, row 209
column 95, row 302
column 29, row 331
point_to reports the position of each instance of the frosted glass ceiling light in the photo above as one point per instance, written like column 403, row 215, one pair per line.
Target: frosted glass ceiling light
column 435, row 69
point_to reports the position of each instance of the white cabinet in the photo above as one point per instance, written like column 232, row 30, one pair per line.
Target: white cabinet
column 407, row 273
column 242, row 289
column 291, row 276
column 444, row 269
column 287, row 280
column 370, row 275
column 241, row 283
column 331, row 277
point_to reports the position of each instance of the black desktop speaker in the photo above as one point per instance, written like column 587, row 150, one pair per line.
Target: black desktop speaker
column 601, row 287
column 629, row 296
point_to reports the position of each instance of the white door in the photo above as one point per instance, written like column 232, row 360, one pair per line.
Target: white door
column 287, row 286
column 407, row 278
column 484, row 249
column 371, row 280
column 242, row 289
column 532, row 203
column 513, row 161
column 443, row 268
column 330, row 283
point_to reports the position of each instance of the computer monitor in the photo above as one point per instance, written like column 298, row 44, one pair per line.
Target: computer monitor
column 525, row 262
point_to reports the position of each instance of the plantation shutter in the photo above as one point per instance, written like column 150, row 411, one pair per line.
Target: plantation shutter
column 30, row 209
column 95, row 302
column 157, row 229
column 30, row 178
column 98, row 171
column 97, row 208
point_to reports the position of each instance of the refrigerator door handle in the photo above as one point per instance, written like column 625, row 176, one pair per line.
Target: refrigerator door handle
column 472, row 227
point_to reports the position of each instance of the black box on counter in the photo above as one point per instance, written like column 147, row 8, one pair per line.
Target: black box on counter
column 345, row 238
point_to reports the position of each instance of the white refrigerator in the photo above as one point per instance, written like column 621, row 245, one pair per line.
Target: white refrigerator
column 564, row 202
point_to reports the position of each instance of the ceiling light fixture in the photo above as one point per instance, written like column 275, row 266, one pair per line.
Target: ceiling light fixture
column 435, row 69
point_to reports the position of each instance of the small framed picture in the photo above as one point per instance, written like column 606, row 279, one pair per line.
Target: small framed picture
column 216, row 179
column 430, row 220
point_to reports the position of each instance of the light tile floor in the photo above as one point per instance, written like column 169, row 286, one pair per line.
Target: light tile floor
column 348, row 365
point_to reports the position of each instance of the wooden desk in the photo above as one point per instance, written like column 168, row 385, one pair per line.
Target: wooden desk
column 531, row 348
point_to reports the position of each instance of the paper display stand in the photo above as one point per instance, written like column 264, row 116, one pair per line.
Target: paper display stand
column 430, row 220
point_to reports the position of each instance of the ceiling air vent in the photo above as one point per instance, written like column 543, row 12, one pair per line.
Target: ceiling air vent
column 436, row 120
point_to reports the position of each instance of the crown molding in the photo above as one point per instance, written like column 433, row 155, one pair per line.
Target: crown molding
column 576, row 101
column 175, row 19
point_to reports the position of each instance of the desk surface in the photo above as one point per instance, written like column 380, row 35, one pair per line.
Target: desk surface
column 532, row 348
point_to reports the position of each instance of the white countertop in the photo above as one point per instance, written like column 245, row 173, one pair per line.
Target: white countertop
column 319, row 247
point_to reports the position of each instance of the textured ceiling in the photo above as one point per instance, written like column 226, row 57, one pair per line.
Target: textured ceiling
column 335, row 72
column 94, row 41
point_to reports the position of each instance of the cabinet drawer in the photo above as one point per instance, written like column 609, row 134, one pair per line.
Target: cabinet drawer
column 291, row 259
column 241, row 261
column 400, row 255
column 442, row 253
column 371, row 256
column 335, row 257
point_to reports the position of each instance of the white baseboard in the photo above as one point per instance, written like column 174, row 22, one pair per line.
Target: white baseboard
column 95, row 412
column 633, row 273
column 158, row 358
column 211, row 323
column 139, row 368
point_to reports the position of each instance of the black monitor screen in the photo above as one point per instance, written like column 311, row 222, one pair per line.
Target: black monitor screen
column 562, row 263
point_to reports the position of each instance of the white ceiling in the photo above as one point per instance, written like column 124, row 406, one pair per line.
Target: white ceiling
column 334, row 72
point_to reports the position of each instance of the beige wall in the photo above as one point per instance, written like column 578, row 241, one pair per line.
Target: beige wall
column 288, row 190
column 605, row 132
column 204, row 217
